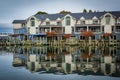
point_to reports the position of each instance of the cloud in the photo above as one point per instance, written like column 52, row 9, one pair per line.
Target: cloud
column 22, row 9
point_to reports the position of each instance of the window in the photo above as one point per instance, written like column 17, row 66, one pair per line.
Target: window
column 72, row 29
column 95, row 21
column 107, row 17
column 23, row 25
column 82, row 22
column 68, row 20
column 112, row 28
column 119, row 20
column 94, row 28
column 47, row 23
column 81, row 29
column 117, row 28
column 28, row 29
column 37, row 30
column 63, row 29
column 102, row 28
column 59, row 23
column 32, row 21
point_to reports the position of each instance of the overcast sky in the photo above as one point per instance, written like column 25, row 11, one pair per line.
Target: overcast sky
column 22, row 9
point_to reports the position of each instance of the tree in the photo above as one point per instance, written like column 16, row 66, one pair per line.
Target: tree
column 64, row 12
column 87, row 34
column 51, row 35
column 58, row 31
column 67, row 35
column 84, row 11
column 90, row 11
column 107, row 36
column 40, row 12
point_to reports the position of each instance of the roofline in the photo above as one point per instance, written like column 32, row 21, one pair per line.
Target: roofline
column 72, row 13
column 19, row 22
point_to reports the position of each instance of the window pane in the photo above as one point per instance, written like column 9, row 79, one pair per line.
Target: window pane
column 32, row 21
column 95, row 21
column 82, row 22
column 58, row 23
column 107, row 19
column 118, row 20
column 47, row 23
column 67, row 20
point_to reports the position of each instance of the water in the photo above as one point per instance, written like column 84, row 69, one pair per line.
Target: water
column 59, row 63
column 5, row 27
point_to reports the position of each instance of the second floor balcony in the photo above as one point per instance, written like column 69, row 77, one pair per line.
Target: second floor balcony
column 51, row 25
column 93, row 24
column 117, row 24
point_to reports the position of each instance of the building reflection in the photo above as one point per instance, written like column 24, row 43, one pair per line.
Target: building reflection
column 68, row 60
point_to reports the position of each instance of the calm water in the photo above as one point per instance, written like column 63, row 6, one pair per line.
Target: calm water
column 59, row 63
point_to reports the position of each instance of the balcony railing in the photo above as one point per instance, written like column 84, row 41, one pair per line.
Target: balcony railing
column 87, row 24
column 117, row 30
column 52, row 25
column 117, row 24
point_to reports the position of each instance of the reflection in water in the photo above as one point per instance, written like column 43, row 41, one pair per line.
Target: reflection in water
column 67, row 60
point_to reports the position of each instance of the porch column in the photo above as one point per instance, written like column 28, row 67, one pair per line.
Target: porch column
column 50, row 29
column 42, row 39
column 62, row 29
column 46, row 40
column 74, row 29
column 114, row 28
column 32, row 38
column 87, row 28
column 101, row 28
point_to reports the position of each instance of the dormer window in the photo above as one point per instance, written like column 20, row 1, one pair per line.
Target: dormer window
column 82, row 21
column 48, row 23
column 68, row 20
column 119, row 20
column 95, row 21
column 58, row 23
column 23, row 24
column 107, row 18
column 32, row 21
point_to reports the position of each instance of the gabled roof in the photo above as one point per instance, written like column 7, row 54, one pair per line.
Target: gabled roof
column 115, row 13
column 76, row 15
column 50, row 16
column 19, row 21
column 88, row 15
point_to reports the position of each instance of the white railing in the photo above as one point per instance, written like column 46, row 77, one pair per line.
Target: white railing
column 5, row 34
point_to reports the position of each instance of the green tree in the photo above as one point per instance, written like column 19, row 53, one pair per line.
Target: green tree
column 64, row 12
column 40, row 12
column 84, row 10
column 90, row 11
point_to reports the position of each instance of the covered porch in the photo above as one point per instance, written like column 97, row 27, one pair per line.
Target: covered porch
column 38, row 38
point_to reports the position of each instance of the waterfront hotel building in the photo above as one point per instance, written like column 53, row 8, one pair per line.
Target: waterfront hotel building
column 36, row 27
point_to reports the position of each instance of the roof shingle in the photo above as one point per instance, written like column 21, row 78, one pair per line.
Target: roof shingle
column 77, row 15
column 19, row 21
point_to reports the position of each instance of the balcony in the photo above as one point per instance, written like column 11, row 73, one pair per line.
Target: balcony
column 94, row 24
column 117, row 24
column 51, row 25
